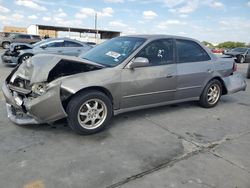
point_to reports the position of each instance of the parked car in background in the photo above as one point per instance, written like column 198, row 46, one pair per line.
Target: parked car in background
column 93, row 44
column 7, row 38
column 120, row 75
column 242, row 55
column 20, row 52
column 217, row 51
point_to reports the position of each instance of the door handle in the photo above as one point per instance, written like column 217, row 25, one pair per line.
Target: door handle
column 59, row 51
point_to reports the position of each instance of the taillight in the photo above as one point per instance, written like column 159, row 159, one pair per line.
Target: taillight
column 234, row 67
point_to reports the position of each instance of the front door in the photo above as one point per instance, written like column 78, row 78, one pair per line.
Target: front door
column 152, row 84
column 72, row 48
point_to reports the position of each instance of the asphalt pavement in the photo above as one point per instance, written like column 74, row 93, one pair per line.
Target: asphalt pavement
column 182, row 146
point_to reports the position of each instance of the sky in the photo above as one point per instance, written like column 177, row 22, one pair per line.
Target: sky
column 210, row 20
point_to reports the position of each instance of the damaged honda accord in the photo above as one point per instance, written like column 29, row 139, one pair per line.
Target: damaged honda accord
column 120, row 75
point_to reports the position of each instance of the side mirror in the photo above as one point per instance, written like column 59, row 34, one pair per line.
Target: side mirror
column 138, row 62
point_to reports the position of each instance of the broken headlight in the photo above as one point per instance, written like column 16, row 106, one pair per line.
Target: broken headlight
column 39, row 88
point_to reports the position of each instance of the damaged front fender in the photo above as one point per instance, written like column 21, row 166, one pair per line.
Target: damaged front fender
column 46, row 108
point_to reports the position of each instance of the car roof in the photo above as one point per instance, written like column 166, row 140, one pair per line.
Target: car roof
column 159, row 36
column 64, row 38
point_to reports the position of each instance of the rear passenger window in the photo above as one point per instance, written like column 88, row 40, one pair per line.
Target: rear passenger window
column 189, row 51
column 71, row 44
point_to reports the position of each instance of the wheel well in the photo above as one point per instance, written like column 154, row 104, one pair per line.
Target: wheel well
column 24, row 55
column 224, row 89
column 92, row 88
column 6, row 42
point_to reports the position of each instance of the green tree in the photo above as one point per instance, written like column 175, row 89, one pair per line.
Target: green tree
column 230, row 44
column 208, row 44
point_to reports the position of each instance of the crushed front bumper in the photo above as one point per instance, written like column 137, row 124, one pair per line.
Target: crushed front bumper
column 10, row 60
column 46, row 108
column 235, row 83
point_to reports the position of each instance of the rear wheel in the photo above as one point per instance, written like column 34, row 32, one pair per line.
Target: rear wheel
column 89, row 112
column 211, row 94
column 6, row 45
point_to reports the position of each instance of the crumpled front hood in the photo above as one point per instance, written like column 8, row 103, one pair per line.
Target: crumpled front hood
column 38, row 68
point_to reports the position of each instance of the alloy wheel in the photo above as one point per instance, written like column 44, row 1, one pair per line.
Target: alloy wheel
column 213, row 94
column 92, row 114
column 242, row 59
column 25, row 58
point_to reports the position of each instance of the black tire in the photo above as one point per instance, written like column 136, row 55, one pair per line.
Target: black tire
column 74, row 108
column 240, row 59
column 248, row 71
column 24, row 57
column 204, row 98
column 6, row 45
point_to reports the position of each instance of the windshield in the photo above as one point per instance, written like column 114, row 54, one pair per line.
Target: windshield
column 113, row 52
column 239, row 50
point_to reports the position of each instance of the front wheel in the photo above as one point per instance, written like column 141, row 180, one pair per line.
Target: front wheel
column 89, row 112
column 211, row 94
column 6, row 45
column 24, row 58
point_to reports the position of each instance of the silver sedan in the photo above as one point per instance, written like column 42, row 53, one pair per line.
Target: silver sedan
column 120, row 75
column 20, row 52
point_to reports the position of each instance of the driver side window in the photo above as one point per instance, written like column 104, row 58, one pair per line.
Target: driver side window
column 159, row 52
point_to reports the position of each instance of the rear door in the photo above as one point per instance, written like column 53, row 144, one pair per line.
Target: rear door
column 194, row 67
column 152, row 84
column 72, row 48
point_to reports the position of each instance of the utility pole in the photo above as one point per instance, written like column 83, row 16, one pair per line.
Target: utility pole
column 96, row 31
column 69, row 32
